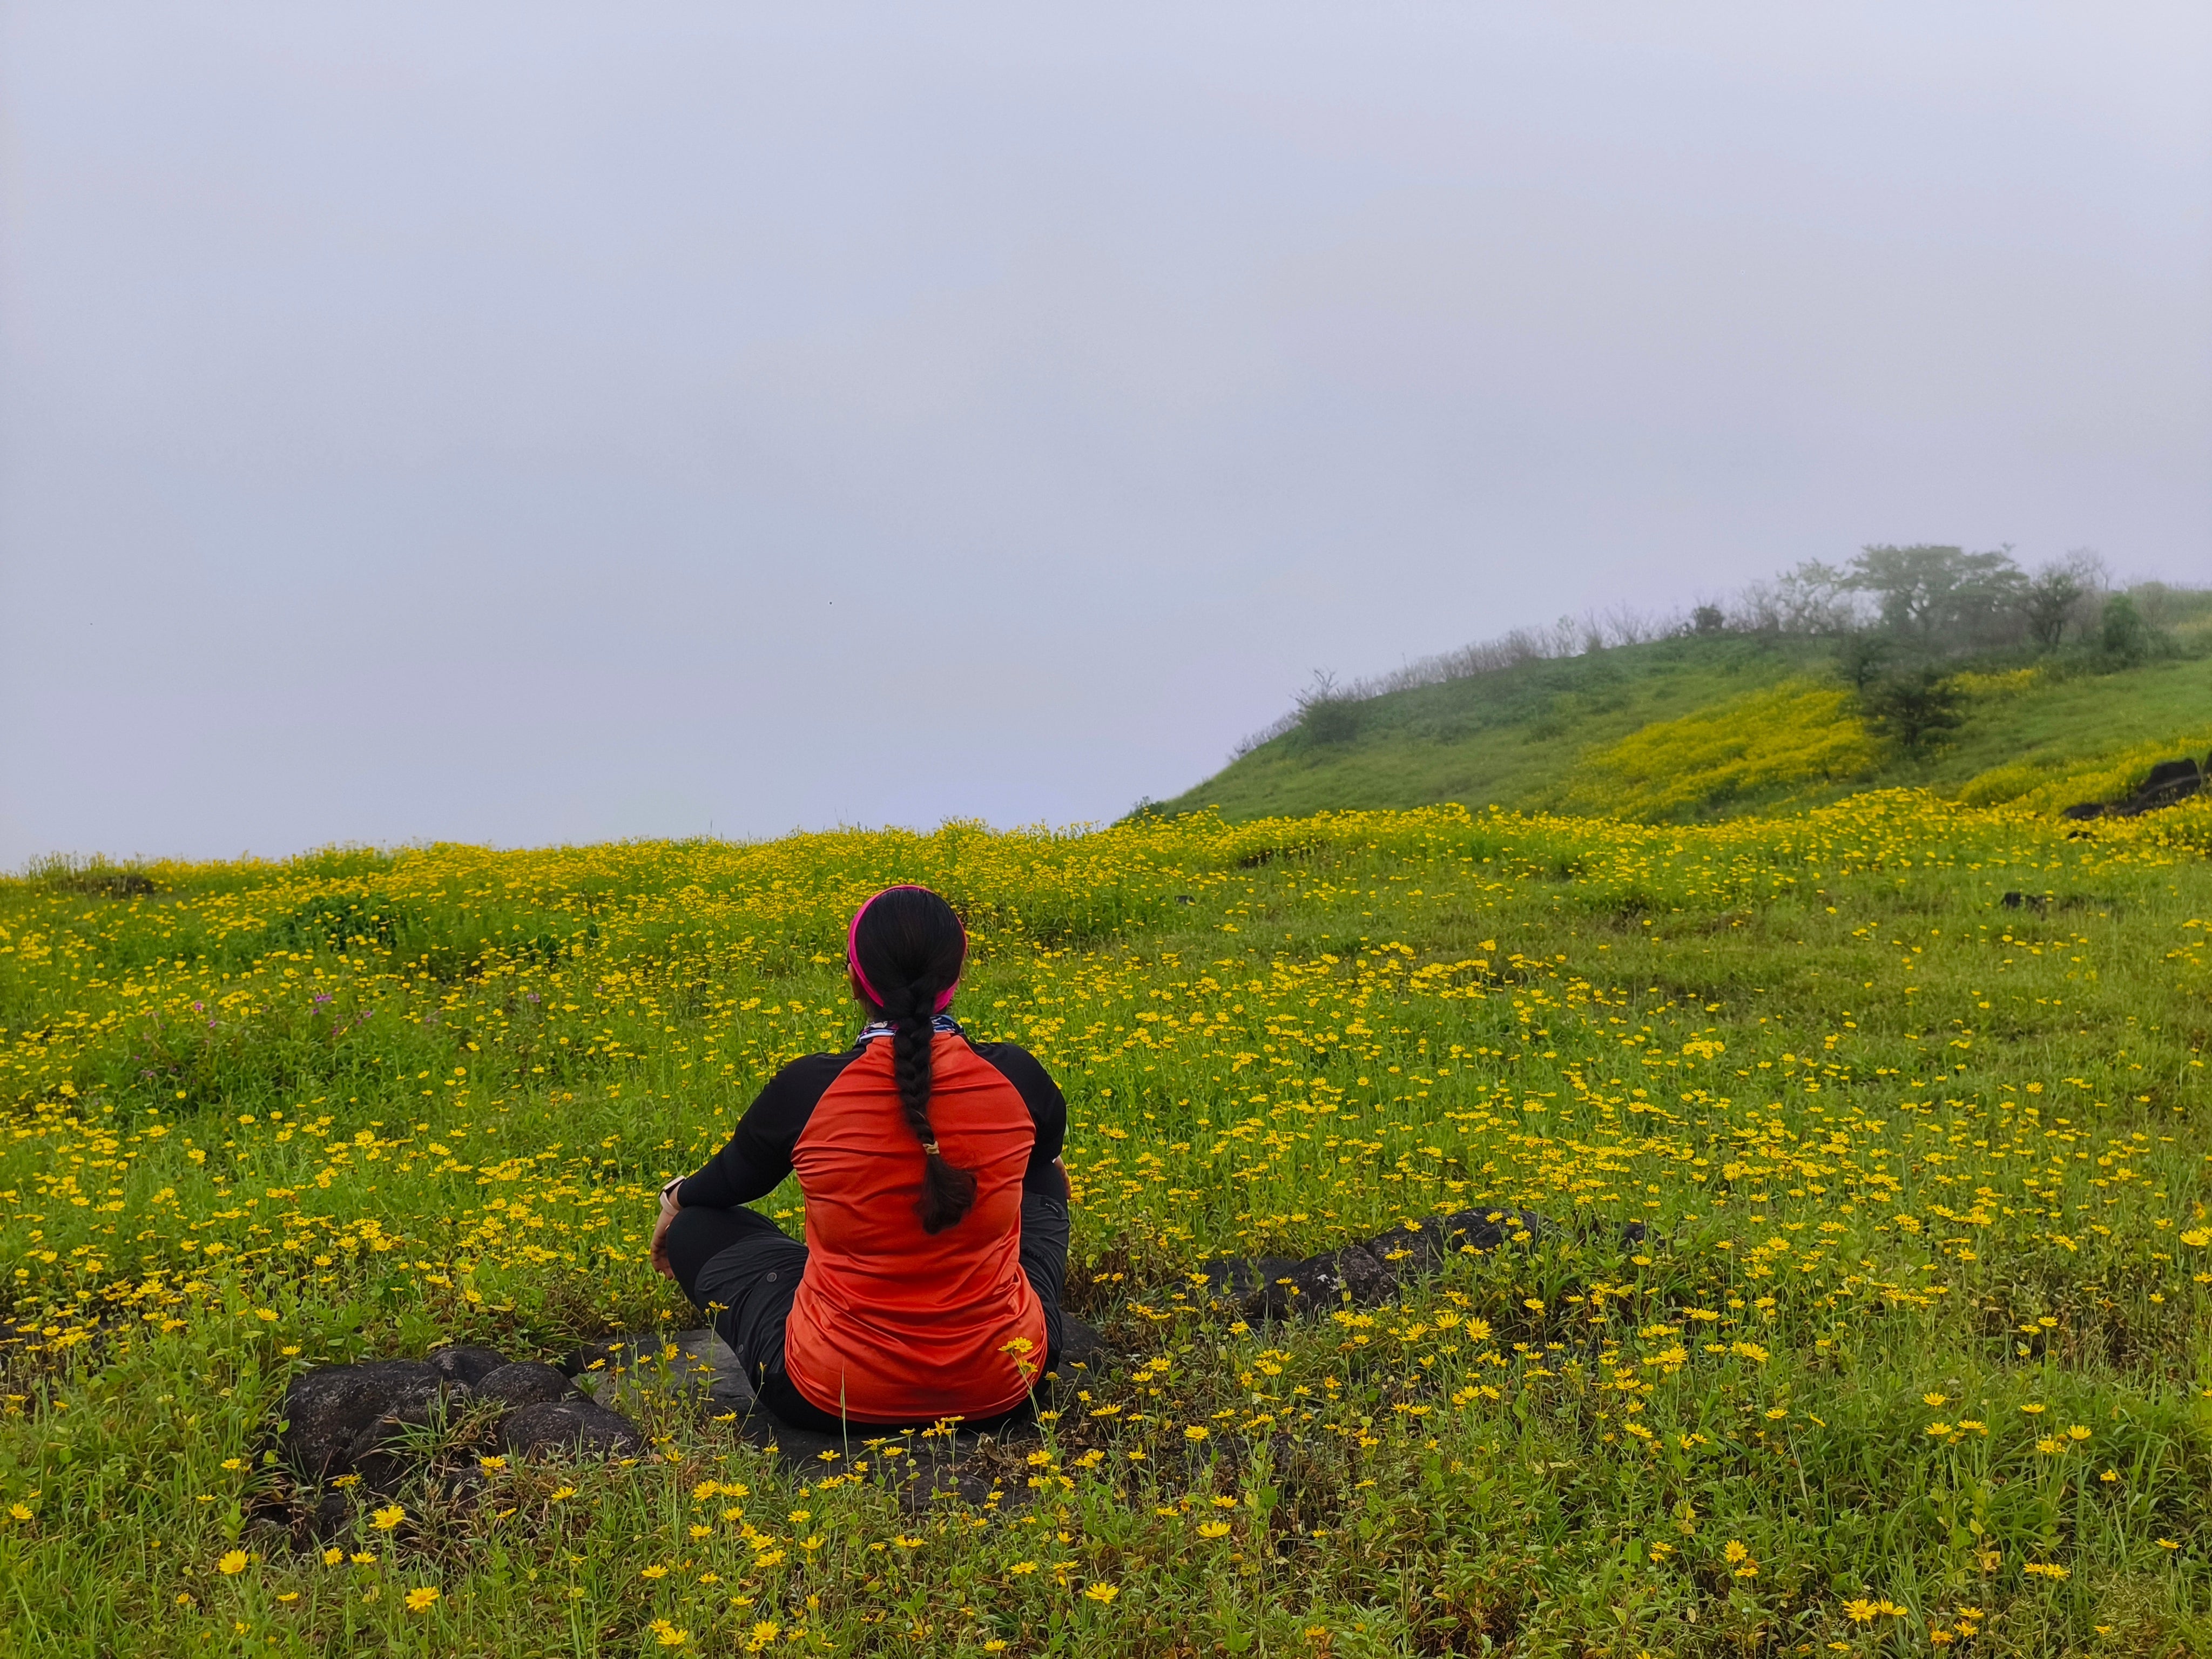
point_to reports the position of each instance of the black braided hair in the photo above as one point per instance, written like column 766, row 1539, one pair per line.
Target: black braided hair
column 910, row 945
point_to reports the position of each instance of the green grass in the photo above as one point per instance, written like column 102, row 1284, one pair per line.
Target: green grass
column 1516, row 738
column 1909, row 1158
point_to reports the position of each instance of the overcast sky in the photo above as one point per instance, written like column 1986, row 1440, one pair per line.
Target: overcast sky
column 536, row 423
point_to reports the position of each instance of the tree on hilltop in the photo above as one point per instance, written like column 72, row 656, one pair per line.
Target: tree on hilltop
column 2056, row 596
column 1938, row 596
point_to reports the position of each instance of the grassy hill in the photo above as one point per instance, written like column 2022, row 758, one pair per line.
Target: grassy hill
column 1695, row 727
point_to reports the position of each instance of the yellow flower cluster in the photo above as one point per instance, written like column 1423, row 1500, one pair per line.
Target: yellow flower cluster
column 1766, row 743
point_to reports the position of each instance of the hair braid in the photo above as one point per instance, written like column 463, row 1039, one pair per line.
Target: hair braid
column 947, row 1193
column 914, row 947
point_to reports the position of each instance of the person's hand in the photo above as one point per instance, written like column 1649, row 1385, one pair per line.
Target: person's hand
column 669, row 1207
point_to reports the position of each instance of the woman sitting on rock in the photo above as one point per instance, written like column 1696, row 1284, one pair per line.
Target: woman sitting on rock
column 929, row 1283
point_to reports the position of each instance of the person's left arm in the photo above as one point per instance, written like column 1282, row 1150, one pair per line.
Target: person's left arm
column 758, row 1154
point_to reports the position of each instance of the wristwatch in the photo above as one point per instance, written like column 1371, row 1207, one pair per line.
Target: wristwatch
column 668, row 1189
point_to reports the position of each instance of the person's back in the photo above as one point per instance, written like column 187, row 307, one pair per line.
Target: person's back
column 937, row 1217
column 891, row 1321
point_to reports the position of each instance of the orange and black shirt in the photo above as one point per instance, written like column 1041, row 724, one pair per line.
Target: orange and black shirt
column 891, row 1324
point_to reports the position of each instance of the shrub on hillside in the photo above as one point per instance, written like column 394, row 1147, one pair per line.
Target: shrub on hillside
column 1913, row 710
column 1863, row 654
column 2122, row 634
column 1326, row 714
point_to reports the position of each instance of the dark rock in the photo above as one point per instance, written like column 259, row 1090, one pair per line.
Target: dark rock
column 465, row 1364
column 377, row 1453
column 1239, row 1278
column 1486, row 1229
column 1366, row 1273
column 708, row 1371
column 359, row 1420
column 965, row 1467
column 331, row 1409
column 331, row 1518
column 694, row 1371
column 1635, row 1233
column 2084, row 809
column 106, row 883
column 459, row 1486
column 574, row 1423
column 614, row 1353
column 800, row 1449
column 1080, row 1345
column 2169, row 782
column 1365, row 1276
column 1412, row 1249
column 1311, row 1287
column 526, row 1382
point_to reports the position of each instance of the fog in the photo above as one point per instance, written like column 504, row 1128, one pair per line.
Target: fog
column 526, row 424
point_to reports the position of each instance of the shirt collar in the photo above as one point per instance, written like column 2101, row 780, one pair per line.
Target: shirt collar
column 876, row 1027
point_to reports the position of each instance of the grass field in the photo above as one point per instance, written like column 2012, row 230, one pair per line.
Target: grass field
column 1913, row 1356
column 1544, row 736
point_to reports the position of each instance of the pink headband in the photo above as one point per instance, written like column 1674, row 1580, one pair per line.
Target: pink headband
column 853, row 951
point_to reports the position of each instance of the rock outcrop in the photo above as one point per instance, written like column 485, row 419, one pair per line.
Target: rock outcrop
column 337, row 1415
column 355, row 1419
column 573, row 1423
column 1367, row 1273
column 2169, row 782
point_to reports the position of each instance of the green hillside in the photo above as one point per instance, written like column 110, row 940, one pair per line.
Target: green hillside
column 1704, row 726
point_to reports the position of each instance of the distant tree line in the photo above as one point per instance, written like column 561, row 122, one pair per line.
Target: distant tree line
column 1898, row 616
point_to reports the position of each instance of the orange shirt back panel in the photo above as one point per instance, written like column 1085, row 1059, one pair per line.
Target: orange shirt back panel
column 891, row 1325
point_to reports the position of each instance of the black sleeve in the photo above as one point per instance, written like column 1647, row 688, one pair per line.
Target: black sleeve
column 759, row 1156
column 1048, row 1110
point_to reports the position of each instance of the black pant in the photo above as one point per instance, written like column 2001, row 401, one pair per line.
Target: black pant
column 746, row 1269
